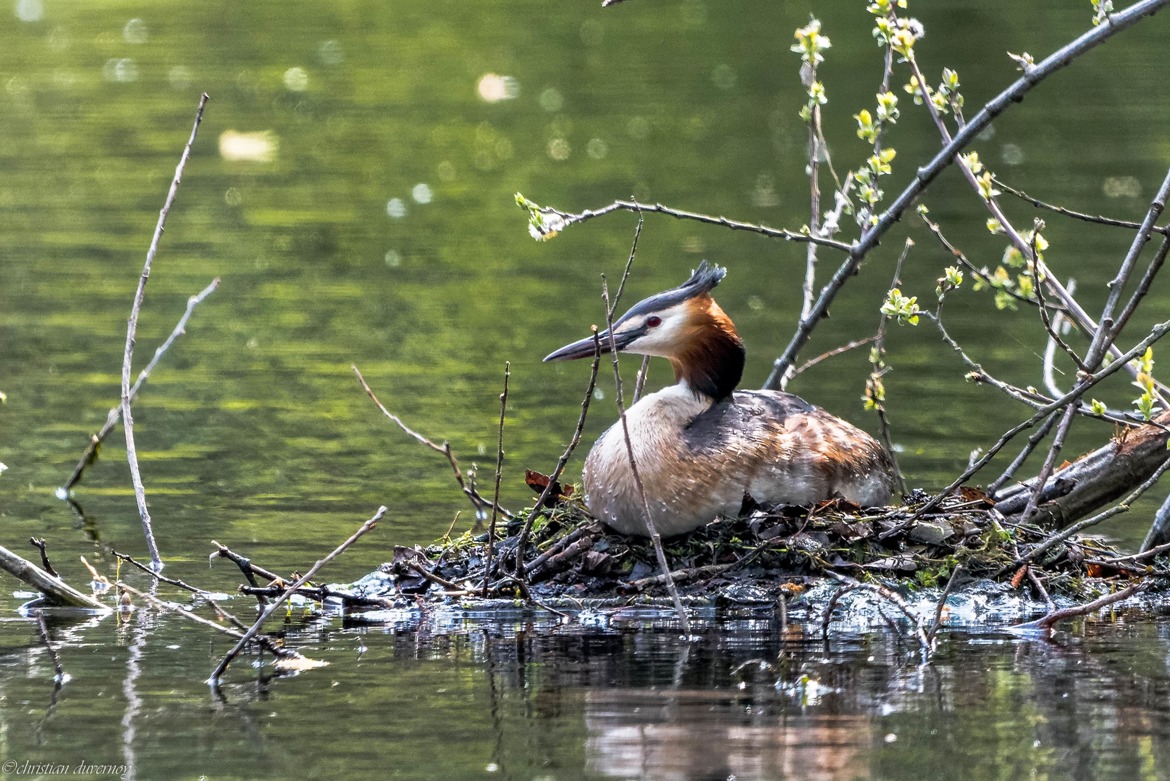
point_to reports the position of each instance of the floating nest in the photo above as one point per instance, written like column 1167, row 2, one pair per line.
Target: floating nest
column 765, row 555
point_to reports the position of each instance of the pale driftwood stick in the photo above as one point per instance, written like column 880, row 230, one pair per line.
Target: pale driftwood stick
column 1047, row 622
column 115, row 414
column 929, row 172
column 1035, row 581
column 480, row 504
column 1146, row 553
column 56, row 591
column 491, row 538
column 131, row 332
column 655, row 537
column 522, row 541
column 217, row 673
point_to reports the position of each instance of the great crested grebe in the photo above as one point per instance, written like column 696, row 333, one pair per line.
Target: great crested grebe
column 701, row 446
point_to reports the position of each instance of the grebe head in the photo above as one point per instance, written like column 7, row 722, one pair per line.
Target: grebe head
column 683, row 325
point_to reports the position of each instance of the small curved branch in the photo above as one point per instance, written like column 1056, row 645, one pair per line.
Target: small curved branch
column 564, row 219
column 1046, row 623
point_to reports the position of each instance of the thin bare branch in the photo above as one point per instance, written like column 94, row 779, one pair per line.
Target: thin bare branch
column 1096, row 219
column 131, row 335
column 655, row 537
column 481, row 505
column 491, row 538
column 522, row 540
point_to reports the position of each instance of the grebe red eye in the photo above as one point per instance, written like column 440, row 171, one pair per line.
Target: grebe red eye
column 653, row 321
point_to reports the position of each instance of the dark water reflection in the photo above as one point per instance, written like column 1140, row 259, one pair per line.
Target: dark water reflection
column 457, row 697
column 371, row 221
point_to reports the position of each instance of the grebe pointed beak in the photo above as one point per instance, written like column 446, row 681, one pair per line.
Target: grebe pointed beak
column 584, row 348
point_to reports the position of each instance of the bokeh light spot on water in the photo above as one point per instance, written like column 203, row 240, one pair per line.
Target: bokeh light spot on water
column 135, row 32
column 551, row 99
column 330, row 52
column 765, row 194
column 232, row 197
column 421, row 193
column 492, row 88
column 258, row 146
column 296, row 79
column 396, row 208
column 445, row 171
column 723, row 76
column 1121, row 187
column 120, row 69
column 29, row 10
column 180, row 77
column 638, row 128
column 393, row 258
column 559, row 149
column 597, row 148
column 1011, row 154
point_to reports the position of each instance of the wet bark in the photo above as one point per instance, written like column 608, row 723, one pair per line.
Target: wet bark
column 1095, row 479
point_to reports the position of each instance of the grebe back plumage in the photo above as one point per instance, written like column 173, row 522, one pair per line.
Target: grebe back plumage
column 701, row 446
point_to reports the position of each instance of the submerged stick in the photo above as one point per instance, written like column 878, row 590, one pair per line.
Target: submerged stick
column 1047, row 622
column 851, row 584
column 217, row 673
column 115, row 413
column 43, row 626
column 131, row 333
